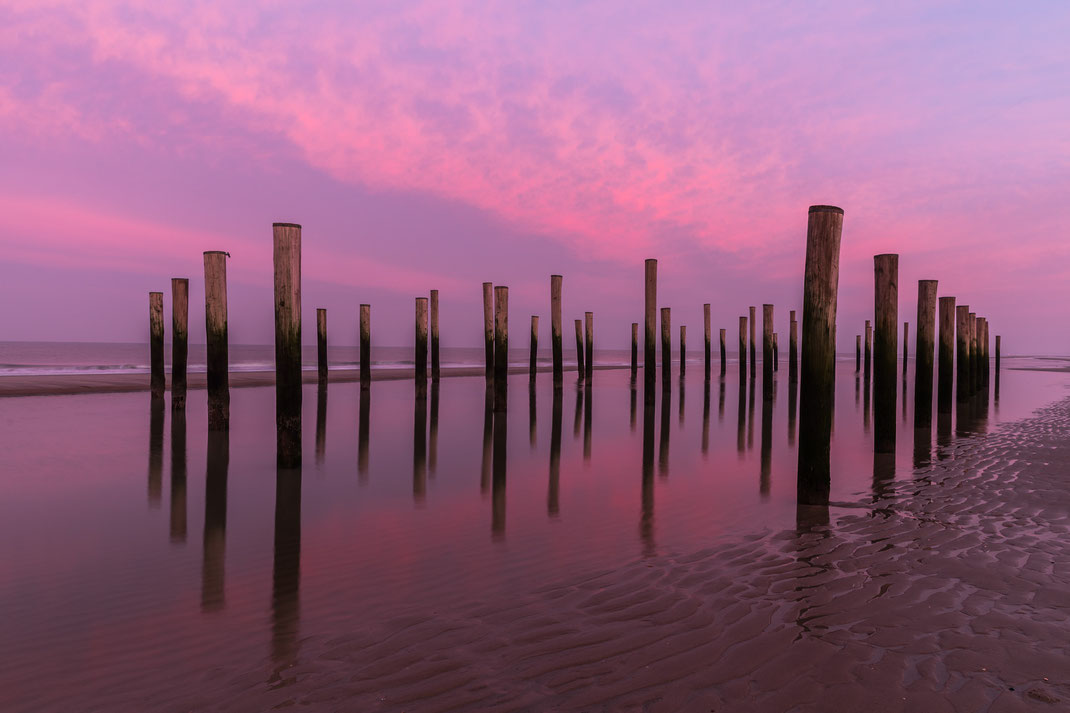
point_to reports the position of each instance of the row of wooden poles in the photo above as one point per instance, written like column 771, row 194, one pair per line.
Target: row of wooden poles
column 815, row 370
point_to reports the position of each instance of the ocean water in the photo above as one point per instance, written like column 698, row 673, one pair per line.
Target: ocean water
column 150, row 565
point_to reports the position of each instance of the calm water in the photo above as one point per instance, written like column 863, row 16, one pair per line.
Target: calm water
column 141, row 557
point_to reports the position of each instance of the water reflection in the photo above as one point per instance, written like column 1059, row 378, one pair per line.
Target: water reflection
column 432, row 445
column 497, row 526
column 720, row 402
column 488, row 443
column 363, row 429
column 419, row 450
column 156, row 412
column 215, row 520
column 663, row 443
column 321, row 423
column 741, row 423
column 767, row 438
column 178, row 475
column 883, row 474
column 532, row 413
column 706, row 418
column 750, row 416
column 588, row 404
column 553, row 507
column 646, row 510
column 865, row 404
column 681, row 399
column 634, row 398
column 286, row 570
column 793, row 407
column 577, row 419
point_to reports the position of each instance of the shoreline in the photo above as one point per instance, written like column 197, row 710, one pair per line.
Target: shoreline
column 68, row 384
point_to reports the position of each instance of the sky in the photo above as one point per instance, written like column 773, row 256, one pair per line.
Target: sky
column 443, row 144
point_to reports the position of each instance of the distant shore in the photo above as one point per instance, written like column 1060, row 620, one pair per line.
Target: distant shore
column 66, row 384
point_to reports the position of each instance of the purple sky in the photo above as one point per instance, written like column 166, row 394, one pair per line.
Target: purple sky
column 442, row 144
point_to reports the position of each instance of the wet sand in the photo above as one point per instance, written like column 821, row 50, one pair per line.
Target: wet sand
column 64, row 384
column 950, row 593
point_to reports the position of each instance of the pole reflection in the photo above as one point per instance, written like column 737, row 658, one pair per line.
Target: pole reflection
column 588, row 405
column 767, row 442
column 362, row 435
column 432, row 445
column 532, row 413
column 646, row 510
column 155, row 488
column 488, row 442
column 706, row 419
column 497, row 526
column 215, row 520
column 321, row 423
column 553, row 493
column 419, row 450
column 663, row 444
column 286, row 570
column 178, row 476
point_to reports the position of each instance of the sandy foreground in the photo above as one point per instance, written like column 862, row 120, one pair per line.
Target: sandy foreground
column 951, row 593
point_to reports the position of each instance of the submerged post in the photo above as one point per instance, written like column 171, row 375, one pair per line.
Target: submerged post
column 179, row 340
column 635, row 349
column 650, row 335
column 579, row 349
column 886, row 318
column 555, row 329
column 534, row 349
column 683, row 348
column 420, row 371
column 588, row 321
column 321, row 345
column 793, row 348
column 706, row 331
column 947, row 354
column 501, row 347
column 817, row 369
column 216, row 340
column 767, row 351
column 723, row 355
column 157, row 382
column 962, row 342
column 666, row 349
column 753, row 342
column 365, row 346
column 923, row 353
column 287, row 259
column 435, row 360
column 488, row 327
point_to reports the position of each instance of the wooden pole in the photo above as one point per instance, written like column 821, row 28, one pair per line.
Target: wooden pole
column 635, row 349
column 924, row 353
column 817, row 368
column 723, row 354
column 321, row 345
column 753, row 342
column 179, row 340
column 885, row 353
column 588, row 321
column 971, row 330
column 216, row 339
column 947, row 354
column 420, row 372
column 683, row 350
column 793, row 348
column 666, row 350
column 742, row 348
column 977, row 352
column 157, row 380
column 650, row 334
column 533, row 355
column 767, row 351
column 962, row 342
column 579, row 349
column 706, row 332
column 985, row 365
column 906, row 338
column 436, row 362
column 501, row 348
column 868, row 350
column 555, row 329
column 365, row 346
column 488, row 327
column 287, row 259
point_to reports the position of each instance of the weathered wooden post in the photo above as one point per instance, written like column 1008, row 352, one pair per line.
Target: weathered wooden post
column 987, row 359
column 753, row 343
column 868, row 351
column 858, row 353
column 436, row 362
column 216, row 340
column 817, row 369
column 157, row 380
column 971, row 331
column 906, row 338
column 666, row 350
column 793, row 349
column 947, row 354
column 923, row 354
column 579, row 349
column 588, row 321
column 365, row 346
column 420, row 372
column 555, row 329
column 287, row 259
column 767, row 351
column 533, row 354
column 683, row 350
column 635, row 349
column 724, row 356
column 179, row 340
column 706, row 331
column 650, row 333
column 742, row 348
column 962, row 342
column 501, row 348
column 321, row 345
column 488, row 327
column 885, row 356
column 977, row 351
column 776, row 353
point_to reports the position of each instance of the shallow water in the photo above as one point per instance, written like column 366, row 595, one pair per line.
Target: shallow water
column 142, row 556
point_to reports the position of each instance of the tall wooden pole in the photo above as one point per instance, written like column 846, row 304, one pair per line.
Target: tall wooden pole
column 742, row 348
column 555, row 329
column 947, row 354
column 971, row 330
column 817, row 368
column 706, row 331
column 179, row 340
column 365, row 346
column 488, row 327
column 436, row 362
column 962, row 342
column 793, row 348
column 924, row 353
column 588, row 321
column 501, row 348
column 977, row 351
column 753, row 342
column 157, row 380
column 767, row 351
column 666, row 350
column 683, row 351
column 217, row 340
column 986, row 366
column 287, row 259
column 885, row 352
column 579, row 350
column 321, row 345
column 420, row 371
column 533, row 352
column 724, row 356
column 650, row 333
column 635, row 349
